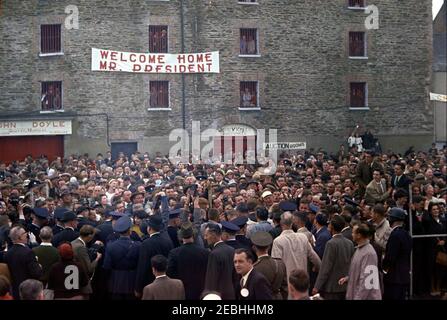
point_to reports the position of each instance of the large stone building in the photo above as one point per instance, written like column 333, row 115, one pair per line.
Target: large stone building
column 311, row 68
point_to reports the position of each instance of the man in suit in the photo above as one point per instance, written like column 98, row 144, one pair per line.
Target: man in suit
column 293, row 248
column 220, row 273
column 154, row 245
column 240, row 237
column 399, row 180
column 21, row 260
column 396, row 263
column 173, row 226
column 79, row 245
column 274, row 270
column 229, row 230
column 376, row 190
column 58, row 216
column 347, row 230
column 121, row 258
column 322, row 234
column 188, row 263
column 252, row 285
column 163, row 287
column 68, row 234
column 335, row 264
column 46, row 254
column 364, row 171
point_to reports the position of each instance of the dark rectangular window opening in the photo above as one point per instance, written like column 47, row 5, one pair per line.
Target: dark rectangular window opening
column 358, row 95
column 159, row 94
column 247, row 1
column 51, row 98
column 356, row 3
column 50, row 38
column 249, row 41
column 249, row 94
column 158, row 39
column 357, row 47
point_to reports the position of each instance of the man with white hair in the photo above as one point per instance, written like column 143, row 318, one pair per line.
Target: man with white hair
column 293, row 248
column 21, row 260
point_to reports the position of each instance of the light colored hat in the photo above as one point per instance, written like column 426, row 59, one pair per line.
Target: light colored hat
column 266, row 194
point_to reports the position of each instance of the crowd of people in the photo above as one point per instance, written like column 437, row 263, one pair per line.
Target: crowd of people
column 322, row 226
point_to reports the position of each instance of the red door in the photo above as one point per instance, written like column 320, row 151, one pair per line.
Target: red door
column 17, row 148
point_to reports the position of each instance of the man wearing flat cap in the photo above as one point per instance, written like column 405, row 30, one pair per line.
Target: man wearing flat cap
column 396, row 263
column 274, row 270
column 121, row 259
column 229, row 230
column 152, row 246
column 188, row 263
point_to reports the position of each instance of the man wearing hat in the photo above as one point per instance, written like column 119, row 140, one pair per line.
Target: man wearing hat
column 154, row 245
column 274, row 270
column 113, row 236
column 82, row 214
column 240, row 236
column 396, row 263
column 121, row 259
column 68, row 234
column 40, row 219
column 173, row 226
column 66, row 199
column 58, row 216
column 364, row 171
column 229, row 230
column 189, row 263
column 80, row 251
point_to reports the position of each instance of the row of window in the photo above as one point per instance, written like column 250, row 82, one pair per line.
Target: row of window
column 158, row 41
column 351, row 3
column 51, row 99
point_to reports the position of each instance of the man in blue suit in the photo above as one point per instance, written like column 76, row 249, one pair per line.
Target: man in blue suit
column 322, row 234
column 157, row 243
column 396, row 264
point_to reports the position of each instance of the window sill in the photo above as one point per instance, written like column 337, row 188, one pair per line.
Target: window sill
column 51, row 111
column 249, row 109
column 51, row 54
column 357, row 8
column 359, row 109
column 249, row 56
column 358, row 58
column 159, row 109
column 248, row 3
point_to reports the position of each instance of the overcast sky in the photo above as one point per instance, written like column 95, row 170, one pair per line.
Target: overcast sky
column 437, row 4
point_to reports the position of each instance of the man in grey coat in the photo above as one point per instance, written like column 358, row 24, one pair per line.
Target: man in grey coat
column 335, row 264
column 363, row 277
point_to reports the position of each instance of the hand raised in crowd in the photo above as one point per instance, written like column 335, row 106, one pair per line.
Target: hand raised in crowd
column 342, row 281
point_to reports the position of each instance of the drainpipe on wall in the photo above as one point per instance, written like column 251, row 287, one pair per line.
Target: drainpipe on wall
column 182, row 28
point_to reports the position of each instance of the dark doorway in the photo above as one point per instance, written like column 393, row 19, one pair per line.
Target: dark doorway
column 128, row 148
